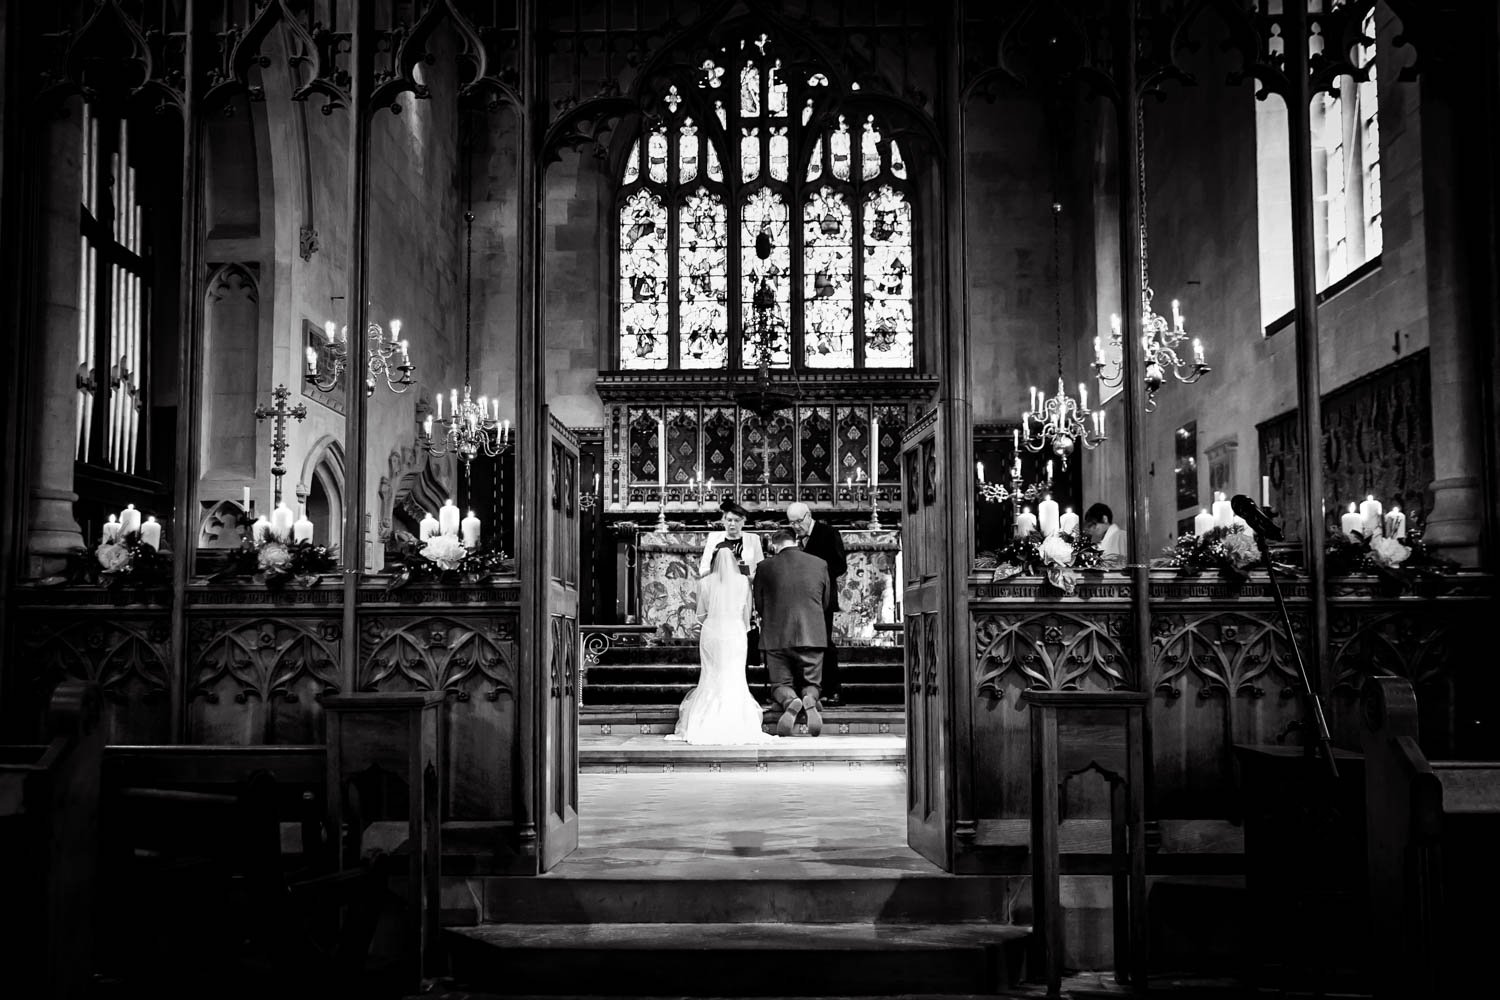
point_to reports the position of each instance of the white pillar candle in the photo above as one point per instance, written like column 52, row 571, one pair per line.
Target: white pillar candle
column 151, row 533
column 428, row 528
column 111, row 529
column 1370, row 512
column 1351, row 523
column 245, row 500
column 874, row 457
column 130, row 519
column 1025, row 522
column 302, row 530
column 1047, row 517
column 1223, row 512
column 1395, row 523
column 1203, row 523
column 1265, row 491
column 448, row 518
column 661, row 458
column 282, row 520
column 470, row 529
column 1068, row 523
column 258, row 529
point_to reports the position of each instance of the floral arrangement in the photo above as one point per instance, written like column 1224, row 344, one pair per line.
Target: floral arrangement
column 279, row 562
column 1230, row 550
column 445, row 558
column 1401, row 564
column 123, row 560
column 1058, row 558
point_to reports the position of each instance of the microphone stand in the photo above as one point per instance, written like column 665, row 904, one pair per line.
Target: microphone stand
column 1313, row 705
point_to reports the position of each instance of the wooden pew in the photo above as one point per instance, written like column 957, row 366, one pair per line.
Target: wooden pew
column 48, row 850
column 1433, row 828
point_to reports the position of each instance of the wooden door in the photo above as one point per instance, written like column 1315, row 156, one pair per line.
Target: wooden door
column 927, row 624
column 558, row 684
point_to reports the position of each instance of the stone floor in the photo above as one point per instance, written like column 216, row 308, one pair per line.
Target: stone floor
column 630, row 753
column 743, row 824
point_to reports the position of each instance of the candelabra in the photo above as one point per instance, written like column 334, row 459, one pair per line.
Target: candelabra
column 702, row 489
column 471, row 428
column 382, row 359
column 1159, row 339
column 862, row 490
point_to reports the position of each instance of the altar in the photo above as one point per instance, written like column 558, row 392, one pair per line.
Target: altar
column 666, row 565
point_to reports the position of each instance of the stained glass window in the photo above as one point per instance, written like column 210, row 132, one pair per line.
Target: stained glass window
column 751, row 211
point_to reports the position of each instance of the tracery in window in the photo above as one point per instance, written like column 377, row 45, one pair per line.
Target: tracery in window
column 750, row 180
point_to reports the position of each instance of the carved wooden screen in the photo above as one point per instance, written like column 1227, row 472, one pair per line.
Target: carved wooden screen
column 558, row 685
column 927, row 621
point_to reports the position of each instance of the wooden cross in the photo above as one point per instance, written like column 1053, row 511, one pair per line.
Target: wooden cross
column 278, row 437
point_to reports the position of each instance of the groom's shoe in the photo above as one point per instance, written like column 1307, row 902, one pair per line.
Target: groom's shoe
column 788, row 720
column 814, row 718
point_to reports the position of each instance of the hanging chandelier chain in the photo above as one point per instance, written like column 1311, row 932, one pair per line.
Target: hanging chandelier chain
column 1057, row 282
column 1140, row 177
column 468, row 286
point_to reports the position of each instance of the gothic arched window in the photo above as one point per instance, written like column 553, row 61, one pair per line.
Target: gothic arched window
column 754, row 217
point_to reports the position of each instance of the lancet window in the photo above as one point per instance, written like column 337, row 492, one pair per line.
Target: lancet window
column 754, row 216
column 1346, row 146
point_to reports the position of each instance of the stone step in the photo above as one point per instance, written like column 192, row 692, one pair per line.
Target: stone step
column 636, row 754
column 891, row 694
column 735, row 959
column 688, row 653
column 658, row 720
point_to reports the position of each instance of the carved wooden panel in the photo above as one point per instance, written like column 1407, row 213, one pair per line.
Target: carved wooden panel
column 1377, row 439
column 853, row 443
column 816, row 446
column 682, row 445
column 1051, row 650
column 471, row 656
column 719, row 434
column 126, row 654
column 257, row 679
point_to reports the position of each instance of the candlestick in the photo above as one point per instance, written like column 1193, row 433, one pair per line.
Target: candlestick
column 151, row 533
column 448, row 518
column 1203, row 523
column 470, row 528
column 1370, row 512
column 1351, row 523
column 130, row 519
column 428, row 528
column 1068, row 523
column 1047, row 517
column 302, row 530
column 1025, row 522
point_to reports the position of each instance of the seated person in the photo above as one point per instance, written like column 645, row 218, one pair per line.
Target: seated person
column 1099, row 523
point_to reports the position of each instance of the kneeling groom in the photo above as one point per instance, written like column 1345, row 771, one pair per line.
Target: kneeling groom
column 792, row 595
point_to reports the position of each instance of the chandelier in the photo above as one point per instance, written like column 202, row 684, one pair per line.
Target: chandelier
column 1060, row 421
column 763, row 397
column 999, row 492
column 1160, row 341
column 473, row 426
column 382, row 361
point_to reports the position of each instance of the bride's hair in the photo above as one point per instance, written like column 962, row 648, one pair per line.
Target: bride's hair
column 725, row 565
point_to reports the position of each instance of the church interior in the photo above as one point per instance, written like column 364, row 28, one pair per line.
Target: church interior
column 1139, row 356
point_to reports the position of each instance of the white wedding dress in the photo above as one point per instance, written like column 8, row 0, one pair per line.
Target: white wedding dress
column 721, row 710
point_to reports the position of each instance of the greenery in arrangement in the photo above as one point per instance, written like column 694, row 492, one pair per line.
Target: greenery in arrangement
column 445, row 559
column 1401, row 564
column 1230, row 551
column 1057, row 558
column 280, row 563
column 124, row 561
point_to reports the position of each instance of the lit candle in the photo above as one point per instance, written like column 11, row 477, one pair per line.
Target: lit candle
column 111, row 529
column 1265, row 491
column 979, row 471
column 505, row 431
column 1203, row 523
column 1033, row 399
column 302, row 530
column 1083, row 396
column 1049, row 473
column 453, row 402
column 1223, row 512
column 596, row 483
column 1015, row 442
column 1098, row 350
column 130, row 519
column 312, row 360
column 1047, row 517
column 1370, row 512
column 282, row 520
column 1197, row 351
column 151, row 533
column 1099, row 424
column 448, row 518
column 330, row 330
column 427, row 425
column 1068, row 523
column 437, row 403
column 1395, row 523
column 258, row 529
column 428, row 528
column 1025, row 522
column 1351, row 523
column 405, row 354
column 470, row 528
column 396, row 329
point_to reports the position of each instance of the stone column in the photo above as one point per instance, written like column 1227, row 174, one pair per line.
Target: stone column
column 52, row 529
column 1457, row 516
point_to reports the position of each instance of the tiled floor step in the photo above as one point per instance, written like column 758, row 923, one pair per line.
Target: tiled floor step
column 658, row 720
column 735, row 959
column 634, row 754
column 662, row 674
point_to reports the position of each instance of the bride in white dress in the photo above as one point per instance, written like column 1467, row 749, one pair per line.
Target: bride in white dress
column 721, row 710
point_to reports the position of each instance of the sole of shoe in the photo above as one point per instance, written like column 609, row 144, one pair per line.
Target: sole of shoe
column 788, row 720
column 814, row 720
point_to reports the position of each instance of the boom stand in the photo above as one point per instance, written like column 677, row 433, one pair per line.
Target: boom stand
column 1312, row 704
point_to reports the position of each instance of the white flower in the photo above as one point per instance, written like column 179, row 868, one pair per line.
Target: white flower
column 113, row 558
column 1388, row 552
column 445, row 550
column 1240, row 549
column 1056, row 551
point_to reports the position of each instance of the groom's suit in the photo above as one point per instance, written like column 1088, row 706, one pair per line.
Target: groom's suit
column 825, row 542
column 792, row 594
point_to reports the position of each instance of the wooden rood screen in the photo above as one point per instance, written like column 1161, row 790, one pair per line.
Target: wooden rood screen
column 558, row 683
column 927, row 620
